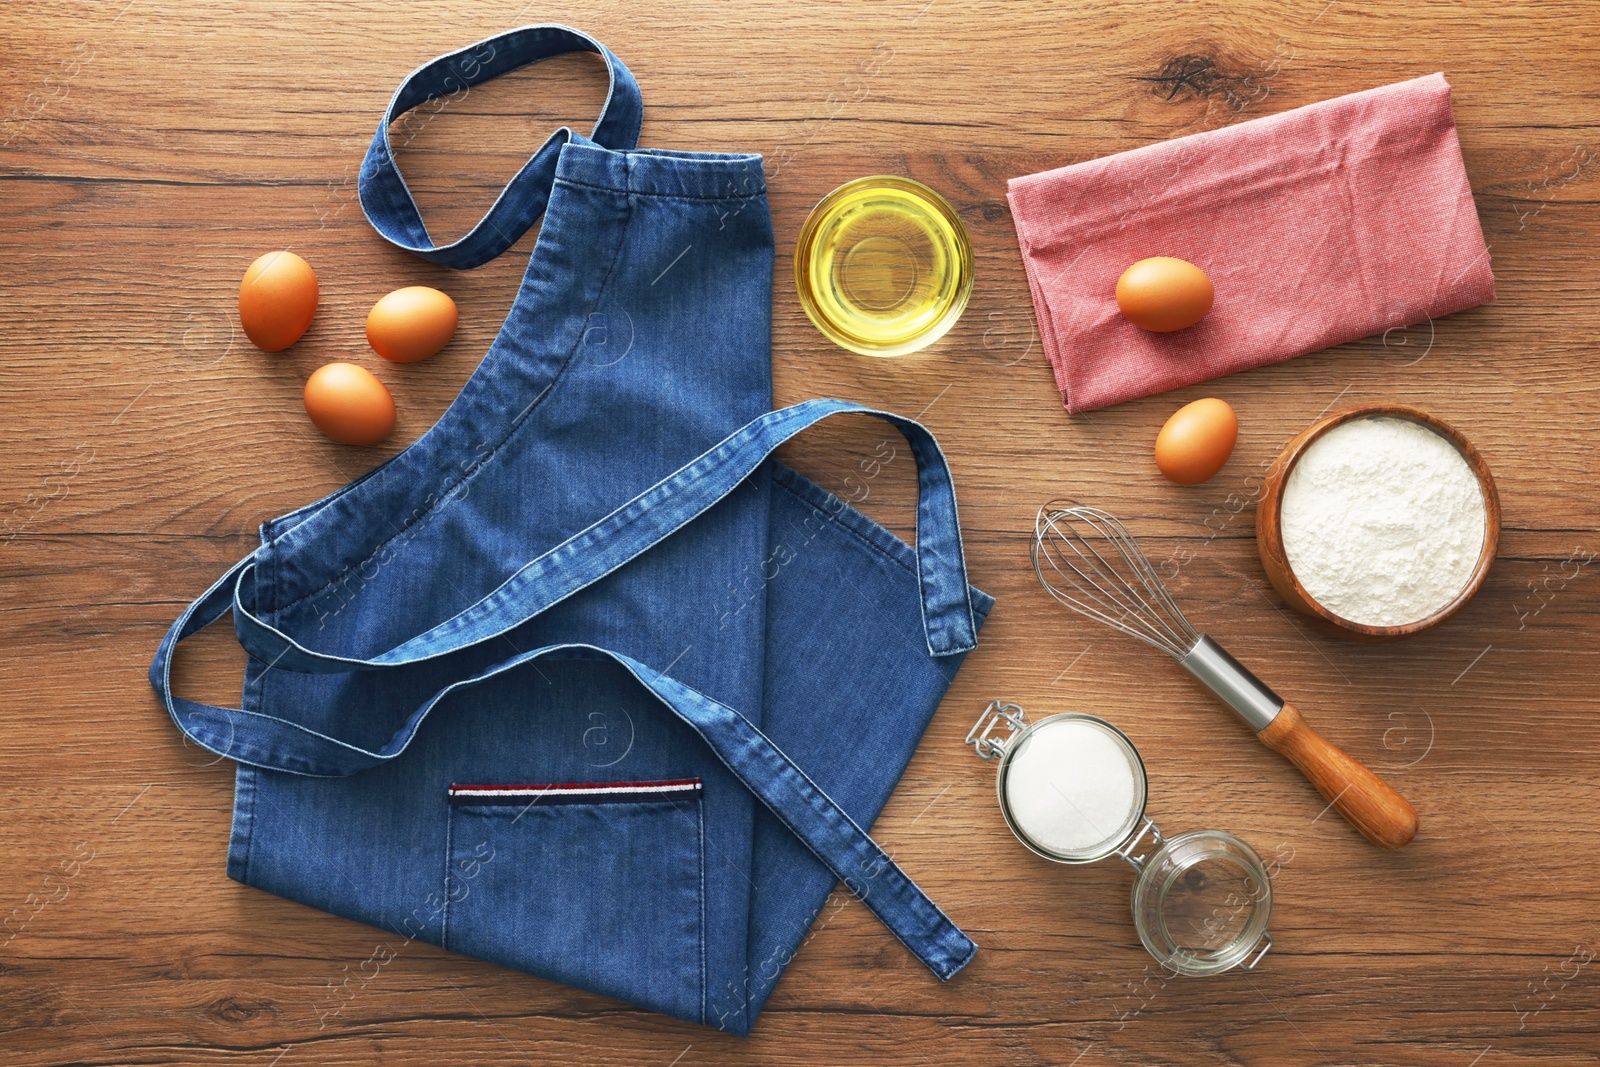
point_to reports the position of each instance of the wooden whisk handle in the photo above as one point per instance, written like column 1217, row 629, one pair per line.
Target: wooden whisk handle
column 1366, row 801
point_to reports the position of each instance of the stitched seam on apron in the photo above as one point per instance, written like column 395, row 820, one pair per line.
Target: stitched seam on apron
column 260, row 701
column 700, row 812
column 250, row 843
column 511, row 431
column 662, row 196
column 449, row 857
column 847, row 528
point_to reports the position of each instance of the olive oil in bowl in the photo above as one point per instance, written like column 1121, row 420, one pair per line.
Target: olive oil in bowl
column 883, row 265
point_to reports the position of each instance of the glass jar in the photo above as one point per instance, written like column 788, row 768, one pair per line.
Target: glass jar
column 1072, row 788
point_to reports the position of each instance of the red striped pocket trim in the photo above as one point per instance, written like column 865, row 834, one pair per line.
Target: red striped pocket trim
column 578, row 793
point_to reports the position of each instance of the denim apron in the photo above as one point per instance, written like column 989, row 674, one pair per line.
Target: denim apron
column 583, row 682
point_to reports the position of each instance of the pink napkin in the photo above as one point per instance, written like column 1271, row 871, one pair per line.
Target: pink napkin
column 1316, row 226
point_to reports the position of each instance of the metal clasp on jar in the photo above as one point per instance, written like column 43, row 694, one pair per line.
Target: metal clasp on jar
column 1150, row 830
column 1265, row 944
column 981, row 738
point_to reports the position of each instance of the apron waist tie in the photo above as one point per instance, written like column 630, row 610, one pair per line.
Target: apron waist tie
column 643, row 522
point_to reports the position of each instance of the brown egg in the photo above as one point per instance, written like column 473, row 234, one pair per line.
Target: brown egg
column 1197, row 441
column 277, row 299
column 1163, row 294
column 349, row 404
column 411, row 324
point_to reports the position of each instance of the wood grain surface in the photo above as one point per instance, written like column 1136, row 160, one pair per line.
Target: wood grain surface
column 152, row 149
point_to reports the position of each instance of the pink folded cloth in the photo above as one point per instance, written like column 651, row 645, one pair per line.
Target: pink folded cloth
column 1316, row 226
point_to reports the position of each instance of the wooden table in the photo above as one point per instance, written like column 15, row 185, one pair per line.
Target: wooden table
column 153, row 148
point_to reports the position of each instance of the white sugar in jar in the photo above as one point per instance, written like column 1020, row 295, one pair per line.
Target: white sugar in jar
column 1075, row 788
column 1383, row 521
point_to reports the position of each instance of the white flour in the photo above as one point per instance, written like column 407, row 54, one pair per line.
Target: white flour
column 1382, row 521
column 1072, row 788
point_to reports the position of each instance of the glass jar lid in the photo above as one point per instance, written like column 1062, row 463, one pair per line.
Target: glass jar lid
column 1072, row 788
column 1201, row 903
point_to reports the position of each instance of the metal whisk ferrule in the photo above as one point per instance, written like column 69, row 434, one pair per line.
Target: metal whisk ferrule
column 1247, row 695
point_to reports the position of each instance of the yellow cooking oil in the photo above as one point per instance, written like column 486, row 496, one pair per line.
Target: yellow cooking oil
column 884, row 266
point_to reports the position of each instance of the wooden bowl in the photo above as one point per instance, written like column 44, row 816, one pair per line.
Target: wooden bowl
column 1269, row 533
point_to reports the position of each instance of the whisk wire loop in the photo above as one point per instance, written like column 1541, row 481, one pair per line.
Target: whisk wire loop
column 1119, row 588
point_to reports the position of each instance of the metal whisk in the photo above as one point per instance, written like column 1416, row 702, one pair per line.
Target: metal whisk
column 1125, row 593
column 1086, row 559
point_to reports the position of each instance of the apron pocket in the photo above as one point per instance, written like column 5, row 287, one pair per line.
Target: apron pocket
column 598, row 886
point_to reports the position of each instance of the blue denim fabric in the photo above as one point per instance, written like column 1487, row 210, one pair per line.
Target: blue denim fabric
column 589, row 571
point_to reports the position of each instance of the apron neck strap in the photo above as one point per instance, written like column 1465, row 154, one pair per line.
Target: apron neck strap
column 388, row 203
